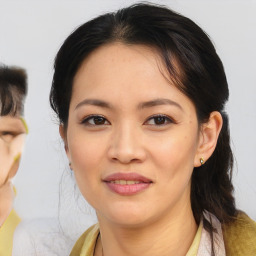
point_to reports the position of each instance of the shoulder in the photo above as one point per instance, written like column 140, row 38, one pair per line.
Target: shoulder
column 41, row 236
column 86, row 243
column 240, row 236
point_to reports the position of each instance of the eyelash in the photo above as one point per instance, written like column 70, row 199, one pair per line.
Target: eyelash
column 166, row 119
column 91, row 117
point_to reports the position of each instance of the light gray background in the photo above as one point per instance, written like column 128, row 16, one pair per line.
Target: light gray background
column 31, row 33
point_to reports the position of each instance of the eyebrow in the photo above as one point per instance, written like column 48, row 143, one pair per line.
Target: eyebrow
column 159, row 102
column 94, row 102
column 146, row 104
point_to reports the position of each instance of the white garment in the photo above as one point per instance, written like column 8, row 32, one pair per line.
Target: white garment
column 55, row 236
column 41, row 237
column 205, row 245
column 45, row 237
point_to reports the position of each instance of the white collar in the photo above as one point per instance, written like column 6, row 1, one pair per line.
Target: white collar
column 205, row 246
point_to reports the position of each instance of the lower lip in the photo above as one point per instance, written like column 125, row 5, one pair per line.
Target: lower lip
column 127, row 190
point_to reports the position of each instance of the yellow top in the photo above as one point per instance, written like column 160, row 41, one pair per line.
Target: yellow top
column 6, row 233
column 195, row 245
column 240, row 236
column 86, row 243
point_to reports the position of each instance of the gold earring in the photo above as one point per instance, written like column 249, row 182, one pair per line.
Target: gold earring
column 201, row 160
column 70, row 166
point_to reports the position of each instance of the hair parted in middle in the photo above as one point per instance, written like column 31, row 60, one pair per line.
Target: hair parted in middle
column 193, row 67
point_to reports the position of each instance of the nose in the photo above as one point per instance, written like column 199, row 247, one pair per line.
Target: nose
column 126, row 145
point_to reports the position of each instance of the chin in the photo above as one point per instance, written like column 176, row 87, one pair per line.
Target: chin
column 127, row 216
column 129, row 222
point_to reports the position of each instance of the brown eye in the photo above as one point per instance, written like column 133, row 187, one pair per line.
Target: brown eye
column 95, row 121
column 159, row 120
column 99, row 120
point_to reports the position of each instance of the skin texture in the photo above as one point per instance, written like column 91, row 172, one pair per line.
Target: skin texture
column 12, row 136
column 138, row 132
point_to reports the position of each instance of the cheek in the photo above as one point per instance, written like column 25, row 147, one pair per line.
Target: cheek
column 86, row 156
column 174, row 155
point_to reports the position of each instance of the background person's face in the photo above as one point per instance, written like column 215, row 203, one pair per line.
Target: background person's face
column 12, row 135
column 125, row 117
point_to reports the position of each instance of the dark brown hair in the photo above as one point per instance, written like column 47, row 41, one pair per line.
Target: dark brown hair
column 178, row 40
column 13, row 89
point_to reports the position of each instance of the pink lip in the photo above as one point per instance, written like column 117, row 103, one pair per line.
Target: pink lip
column 127, row 189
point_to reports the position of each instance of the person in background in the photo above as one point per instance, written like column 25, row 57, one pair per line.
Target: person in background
column 140, row 95
column 13, row 129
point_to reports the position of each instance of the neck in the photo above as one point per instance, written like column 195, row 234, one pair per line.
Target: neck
column 6, row 201
column 170, row 236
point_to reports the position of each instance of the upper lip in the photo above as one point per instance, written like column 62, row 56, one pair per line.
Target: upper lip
column 127, row 176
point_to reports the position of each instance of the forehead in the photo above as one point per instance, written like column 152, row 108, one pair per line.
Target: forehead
column 119, row 57
column 119, row 62
column 119, row 71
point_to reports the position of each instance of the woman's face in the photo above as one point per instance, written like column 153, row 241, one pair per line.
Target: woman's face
column 12, row 135
column 132, row 137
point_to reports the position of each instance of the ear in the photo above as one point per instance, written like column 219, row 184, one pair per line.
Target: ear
column 62, row 132
column 208, row 137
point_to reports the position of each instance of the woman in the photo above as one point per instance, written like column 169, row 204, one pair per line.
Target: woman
column 13, row 89
column 140, row 95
